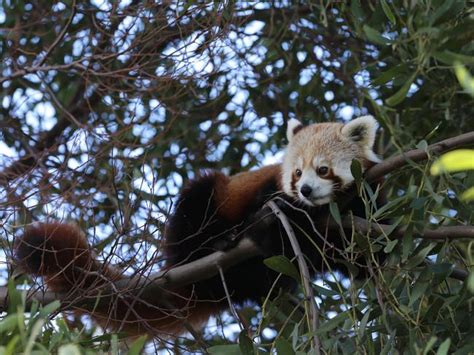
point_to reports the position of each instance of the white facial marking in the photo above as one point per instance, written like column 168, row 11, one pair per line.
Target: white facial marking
column 342, row 169
column 321, row 189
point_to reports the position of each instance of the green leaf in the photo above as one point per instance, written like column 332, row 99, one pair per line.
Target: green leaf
column 429, row 345
column 464, row 78
column 417, row 291
column 389, row 74
column 470, row 282
column 357, row 10
column 454, row 161
column 137, row 346
column 69, row 349
column 449, row 57
column 8, row 323
column 34, row 333
column 283, row 347
column 14, row 297
column 467, row 195
column 444, row 347
column 10, row 349
column 441, row 271
column 334, row 209
column 324, row 291
column 400, row 95
column 390, row 245
column 356, row 170
column 418, row 258
column 441, row 10
column 50, row 308
column 423, row 145
column 332, row 323
column 232, row 349
column 375, row 36
column 388, row 12
column 245, row 344
column 282, row 264
column 363, row 324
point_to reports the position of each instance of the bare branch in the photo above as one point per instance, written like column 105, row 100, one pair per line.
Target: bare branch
column 391, row 164
column 441, row 233
column 309, row 294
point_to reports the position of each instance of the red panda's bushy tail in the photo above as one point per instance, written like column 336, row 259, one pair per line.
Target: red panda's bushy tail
column 60, row 254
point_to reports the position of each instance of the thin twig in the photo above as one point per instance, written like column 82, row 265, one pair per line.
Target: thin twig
column 229, row 300
column 61, row 35
column 313, row 307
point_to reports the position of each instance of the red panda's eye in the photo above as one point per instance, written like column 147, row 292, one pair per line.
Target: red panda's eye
column 298, row 172
column 323, row 170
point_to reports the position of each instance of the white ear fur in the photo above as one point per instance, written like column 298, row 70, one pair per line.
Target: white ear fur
column 293, row 126
column 362, row 130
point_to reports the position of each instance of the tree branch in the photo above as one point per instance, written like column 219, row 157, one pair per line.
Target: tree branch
column 416, row 155
column 308, row 290
column 154, row 285
column 361, row 225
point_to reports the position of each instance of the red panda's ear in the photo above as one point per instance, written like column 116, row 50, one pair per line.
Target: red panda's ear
column 362, row 130
column 294, row 126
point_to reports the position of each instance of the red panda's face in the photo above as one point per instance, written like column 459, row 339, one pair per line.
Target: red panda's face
column 318, row 158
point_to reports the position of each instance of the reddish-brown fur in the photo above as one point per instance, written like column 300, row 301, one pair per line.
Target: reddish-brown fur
column 236, row 194
column 60, row 253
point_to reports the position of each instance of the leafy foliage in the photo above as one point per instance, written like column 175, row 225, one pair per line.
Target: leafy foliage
column 108, row 107
column 35, row 332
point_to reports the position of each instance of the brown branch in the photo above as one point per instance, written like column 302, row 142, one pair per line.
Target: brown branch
column 391, row 164
column 155, row 285
column 441, row 233
column 152, row 286
column 61, row 35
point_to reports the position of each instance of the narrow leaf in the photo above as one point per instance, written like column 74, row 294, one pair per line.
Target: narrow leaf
column 332, row 323
column 400, row 95
column 467, row 195
column 69, row 349
column 137, row 346
column 388, row 12
column 454, row 161
column 283, row 265
column 245, row 344
column 375, row 36
column 444, row 347
column 232, row 349
column 335, row 212
column 283, row 347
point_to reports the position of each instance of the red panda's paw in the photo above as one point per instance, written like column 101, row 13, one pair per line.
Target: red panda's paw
column 48, row 248
column 260, row 228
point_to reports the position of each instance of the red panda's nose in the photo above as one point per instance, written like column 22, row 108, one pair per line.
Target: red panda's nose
column 306, row 190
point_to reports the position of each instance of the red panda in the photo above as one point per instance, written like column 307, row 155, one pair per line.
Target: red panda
column 212, row 212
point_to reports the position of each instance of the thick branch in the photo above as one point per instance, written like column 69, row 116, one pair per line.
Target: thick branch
column 416, row 155
column 441, row 233
column 152, row 286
